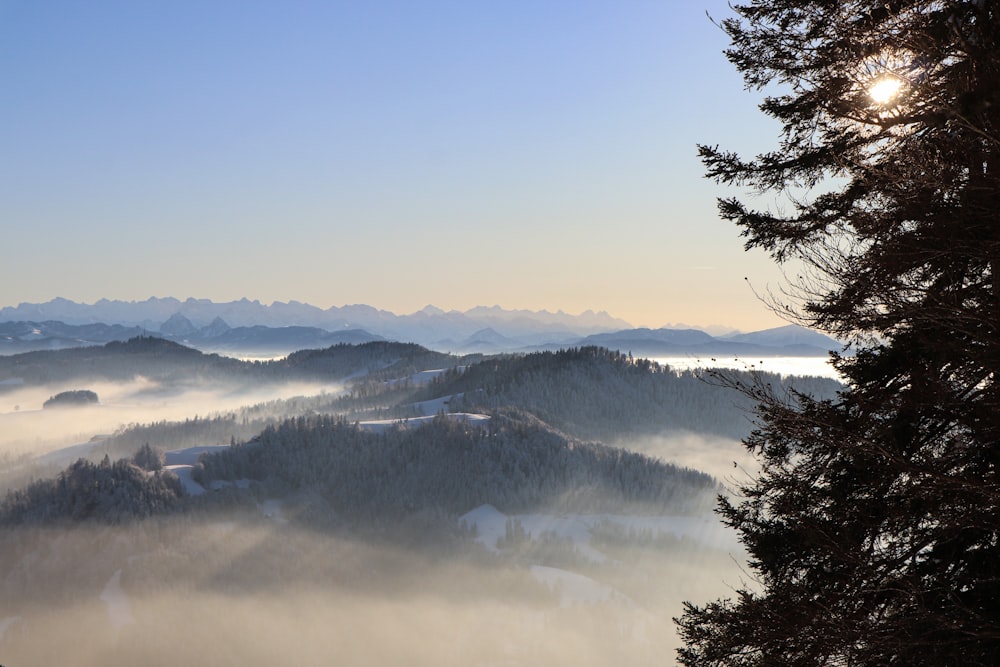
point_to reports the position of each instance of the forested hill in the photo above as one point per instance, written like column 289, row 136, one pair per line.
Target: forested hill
column 514, row 463
column 171, row 363
column 593, row 393
column 107, row 492
column 331, row 473
column 147, row 356
column 378, row 359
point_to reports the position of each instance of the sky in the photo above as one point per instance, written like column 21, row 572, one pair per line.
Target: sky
column 529, row 154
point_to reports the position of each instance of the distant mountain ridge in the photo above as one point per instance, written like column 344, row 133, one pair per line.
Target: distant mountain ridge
column 427, row 325
column 258, row 340
column 250, row 328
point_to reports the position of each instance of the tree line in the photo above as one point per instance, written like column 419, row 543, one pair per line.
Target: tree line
column 108, row 492
column 596, row 393
column 514, row 462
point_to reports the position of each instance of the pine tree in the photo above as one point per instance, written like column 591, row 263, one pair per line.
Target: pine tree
column 873, row 525
column 149, row 458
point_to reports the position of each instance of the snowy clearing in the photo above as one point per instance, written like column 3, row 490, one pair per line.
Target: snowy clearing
column 189, row 456
column 379, row 425
column 435, row 405
column 271, row 509
column 183, row 472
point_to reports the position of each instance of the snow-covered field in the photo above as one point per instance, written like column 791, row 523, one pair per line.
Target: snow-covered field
column 435, row 405
column 378, row 425
column 190, row 455
column 422, row 378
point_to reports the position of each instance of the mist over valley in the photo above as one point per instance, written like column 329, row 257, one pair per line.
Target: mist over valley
column 379, row 502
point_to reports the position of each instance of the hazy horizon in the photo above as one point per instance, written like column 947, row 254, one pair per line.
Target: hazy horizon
column 536, row 156
column 717, row 325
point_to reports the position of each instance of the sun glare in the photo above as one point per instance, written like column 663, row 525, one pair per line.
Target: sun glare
column 884, row 90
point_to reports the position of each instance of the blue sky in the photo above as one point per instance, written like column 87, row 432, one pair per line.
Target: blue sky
column 528, row 154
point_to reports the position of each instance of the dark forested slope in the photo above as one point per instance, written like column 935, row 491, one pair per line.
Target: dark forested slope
column 170, row 363
column 107, row 492
column 147, row 356
column 514, row 462
column 341, row 473
column 594, row 393
column 378, row 358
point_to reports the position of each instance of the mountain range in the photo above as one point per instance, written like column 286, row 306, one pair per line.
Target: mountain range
column 250, row 328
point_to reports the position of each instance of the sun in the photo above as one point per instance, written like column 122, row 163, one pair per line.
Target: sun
column 885, row 89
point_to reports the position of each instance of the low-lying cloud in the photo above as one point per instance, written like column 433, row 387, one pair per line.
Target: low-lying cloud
column 252, row 593
column 25, row 427
column 726, row 459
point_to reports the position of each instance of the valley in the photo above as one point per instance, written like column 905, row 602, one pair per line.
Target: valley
column 379, row 500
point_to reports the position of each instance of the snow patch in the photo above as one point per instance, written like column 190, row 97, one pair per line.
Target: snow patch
column 68, row 455
column 490, row 525
column 190, row 455
column 418, row 379
column 434, row 406
column 183, row 472
column 272, row 510
column 380, row 425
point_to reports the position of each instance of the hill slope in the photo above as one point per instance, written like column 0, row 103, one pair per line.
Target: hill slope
column 594, row 393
